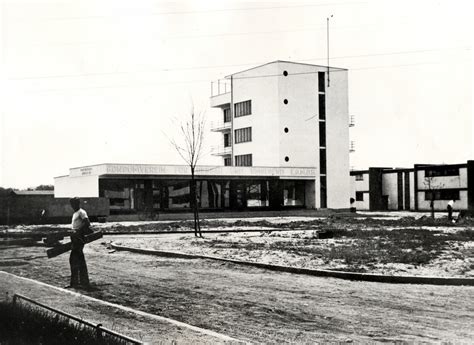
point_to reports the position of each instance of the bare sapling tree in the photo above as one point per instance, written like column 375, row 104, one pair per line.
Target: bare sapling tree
column 190, row 148
column 432, row 187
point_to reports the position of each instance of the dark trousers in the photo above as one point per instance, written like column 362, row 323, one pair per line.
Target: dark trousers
column 79, row 274
column 450, row 212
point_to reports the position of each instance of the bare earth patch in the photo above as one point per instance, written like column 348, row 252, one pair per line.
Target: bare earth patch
column 443, row 258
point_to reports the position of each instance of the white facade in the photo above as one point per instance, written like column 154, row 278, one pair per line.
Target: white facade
column 285, row 122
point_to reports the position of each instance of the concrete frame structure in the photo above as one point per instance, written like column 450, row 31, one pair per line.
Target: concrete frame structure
column 291, row 117
column 379, row 189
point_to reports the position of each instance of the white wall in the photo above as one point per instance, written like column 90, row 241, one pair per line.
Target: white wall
column 337, row 140
column 361, row 186
column 264, row 120
column 80, row 186
column 365, row 204
column 300, row 115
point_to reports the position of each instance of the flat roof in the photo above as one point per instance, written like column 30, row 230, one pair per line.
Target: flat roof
column 283, row 61
column 121, row 169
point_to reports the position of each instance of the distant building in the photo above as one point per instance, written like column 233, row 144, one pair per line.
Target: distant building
column 413, row 189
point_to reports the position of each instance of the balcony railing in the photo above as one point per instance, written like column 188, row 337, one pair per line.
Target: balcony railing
column 219, row 87
column 217, row 126
column 352, row 146
column 352, row 121
column 221, row 150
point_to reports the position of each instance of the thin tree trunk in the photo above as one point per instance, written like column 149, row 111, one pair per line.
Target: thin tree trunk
column 432, row 208
column 193, row 201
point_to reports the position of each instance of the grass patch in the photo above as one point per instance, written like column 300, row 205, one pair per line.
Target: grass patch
column 21, row 325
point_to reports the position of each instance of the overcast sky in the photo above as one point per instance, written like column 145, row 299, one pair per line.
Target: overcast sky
column 87, row 82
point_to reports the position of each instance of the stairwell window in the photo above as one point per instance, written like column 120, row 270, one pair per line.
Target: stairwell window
column 243, row 108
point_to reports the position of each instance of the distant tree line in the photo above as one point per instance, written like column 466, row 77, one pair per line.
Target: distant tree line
column 6, row 191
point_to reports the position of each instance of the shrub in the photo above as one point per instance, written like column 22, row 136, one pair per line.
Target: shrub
column 21, row 324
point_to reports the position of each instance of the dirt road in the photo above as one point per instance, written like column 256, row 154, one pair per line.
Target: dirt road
column 262, row 306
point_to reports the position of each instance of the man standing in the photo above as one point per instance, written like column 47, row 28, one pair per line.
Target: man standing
column 450, row 209
column 80, row 227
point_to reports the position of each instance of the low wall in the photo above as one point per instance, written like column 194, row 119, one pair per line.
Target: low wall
column 28, row 209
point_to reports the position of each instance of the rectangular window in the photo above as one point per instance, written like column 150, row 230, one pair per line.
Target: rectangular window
column 359, row 177
column 243, row 108
column 243, row 160
column 243, row 135
column 322, row 161
column 322, row 107
column 359, row 196
column 441, row 171
column 226, row 139
column 443, row 194
column 227, row 117
column 322, row 134
column 227, row 162
column 324, row 198
column 321, row 83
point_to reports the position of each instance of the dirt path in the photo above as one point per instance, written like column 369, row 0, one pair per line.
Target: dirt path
column 126, row 321
column 263, row 306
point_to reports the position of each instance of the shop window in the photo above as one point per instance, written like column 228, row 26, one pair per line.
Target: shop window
column 293, row 193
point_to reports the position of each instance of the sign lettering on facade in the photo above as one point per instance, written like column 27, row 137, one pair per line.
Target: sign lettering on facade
column 144, row 169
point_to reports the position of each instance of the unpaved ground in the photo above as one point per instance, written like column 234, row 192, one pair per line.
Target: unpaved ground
column 259, row 305
column 282, row 248
column 138, row 326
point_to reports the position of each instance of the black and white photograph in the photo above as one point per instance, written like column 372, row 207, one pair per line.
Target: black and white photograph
column 236, row 172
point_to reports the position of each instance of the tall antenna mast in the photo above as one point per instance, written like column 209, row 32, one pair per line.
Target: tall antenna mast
column 327, row 22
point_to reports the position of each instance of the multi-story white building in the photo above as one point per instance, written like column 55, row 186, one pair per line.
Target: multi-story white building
column 284, row 144
column 286, row 114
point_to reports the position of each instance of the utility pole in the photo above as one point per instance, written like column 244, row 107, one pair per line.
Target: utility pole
column 232, row 120
column 327, row 31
